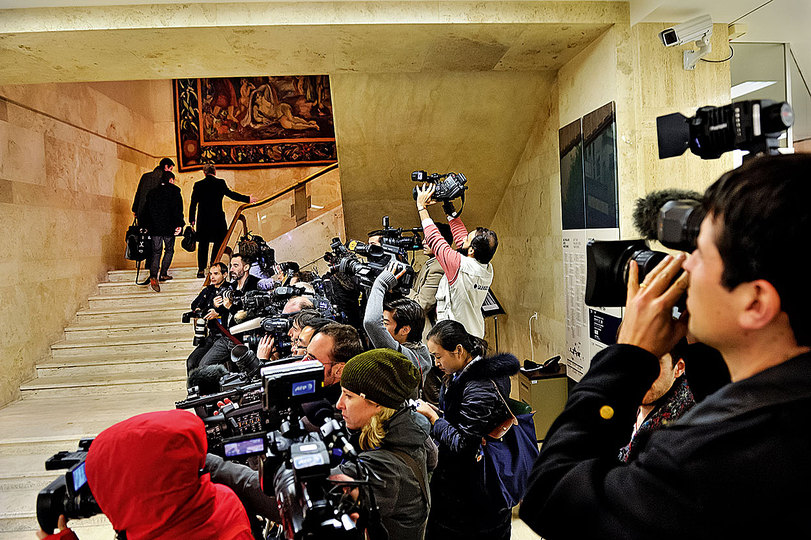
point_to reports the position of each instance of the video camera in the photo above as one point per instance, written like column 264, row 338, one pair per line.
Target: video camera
column 265, row 419
column 404, row 239
column 200, row 326
column 447, row 186
column 673, row 217
column 69, row 494
column 344, row 259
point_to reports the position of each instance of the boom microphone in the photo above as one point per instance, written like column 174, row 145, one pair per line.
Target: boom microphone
column 646, row 211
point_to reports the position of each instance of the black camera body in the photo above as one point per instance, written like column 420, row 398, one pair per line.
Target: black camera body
column 746, row 125
column 69, row 494
column 344, row 259
column 399, row 238
column 447, row 186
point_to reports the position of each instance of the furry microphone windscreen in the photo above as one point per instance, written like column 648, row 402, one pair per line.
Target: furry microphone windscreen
column 646, row 210
column 207, row 378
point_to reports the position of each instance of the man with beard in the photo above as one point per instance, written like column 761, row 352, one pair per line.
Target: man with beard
column 468, row 272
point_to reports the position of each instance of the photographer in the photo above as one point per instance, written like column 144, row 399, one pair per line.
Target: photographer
column 396, row 324
column 145, row 475
column 374, row 388
column 732, row 466
column 209, row 306
column 427, row 281
column 220, row 351
column 468, row 272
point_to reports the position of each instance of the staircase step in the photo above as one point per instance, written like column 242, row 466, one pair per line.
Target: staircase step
column 127, row 328
column 184, row 285
column 137, row 380
column 134, row 314
column 129, row 275
column 142, row 301
column 111, row 366
column 14, row 524
column 152, row 347
column 60, row 423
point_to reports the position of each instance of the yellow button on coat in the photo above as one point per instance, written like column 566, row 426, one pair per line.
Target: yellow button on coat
column 606, row 412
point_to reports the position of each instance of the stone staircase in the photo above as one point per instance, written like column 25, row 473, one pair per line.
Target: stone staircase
column 123, row 355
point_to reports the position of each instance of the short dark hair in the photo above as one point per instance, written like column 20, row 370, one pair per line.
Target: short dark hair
column 222, row 266
column 762, row 208
column 166, row 176
column 346, row 340
column 301, row 318
column 484, row 244
column 245, row 258
column 317, row 323
column 166, row 162
column 407, row 312
column 449, row 334
column 209, row 170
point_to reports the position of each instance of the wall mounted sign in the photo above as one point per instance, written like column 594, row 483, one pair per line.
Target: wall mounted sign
column 589, row 211
column 252, row 122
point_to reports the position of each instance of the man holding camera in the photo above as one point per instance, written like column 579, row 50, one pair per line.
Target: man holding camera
column 209, row 306
column 731, row 467
column 468, row 272
column 220, row 351
column 396, row 324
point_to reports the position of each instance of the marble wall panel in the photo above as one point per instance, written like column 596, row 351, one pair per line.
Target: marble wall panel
column 630, row 67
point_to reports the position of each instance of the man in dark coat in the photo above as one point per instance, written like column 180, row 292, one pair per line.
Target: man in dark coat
column 736, row 465
column 210, row 223
column 147, row 183
column 163, row 217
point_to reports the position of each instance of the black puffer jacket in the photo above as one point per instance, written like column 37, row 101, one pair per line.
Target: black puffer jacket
column 461, row 507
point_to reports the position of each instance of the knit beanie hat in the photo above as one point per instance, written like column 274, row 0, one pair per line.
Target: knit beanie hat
column 381, row 375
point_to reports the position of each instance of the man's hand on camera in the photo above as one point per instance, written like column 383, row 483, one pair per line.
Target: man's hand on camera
column 425, row 194
column 211, row 315
column 648, row 321
column 218, row 301
column 392, row 267
column 225, row 302
column 265, row 348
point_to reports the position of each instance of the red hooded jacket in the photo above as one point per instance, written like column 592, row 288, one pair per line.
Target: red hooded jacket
column 145, row 475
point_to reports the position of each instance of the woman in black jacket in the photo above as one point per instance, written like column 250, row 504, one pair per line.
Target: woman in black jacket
column 461, row 506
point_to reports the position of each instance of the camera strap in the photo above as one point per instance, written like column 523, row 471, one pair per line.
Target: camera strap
column 411, row 463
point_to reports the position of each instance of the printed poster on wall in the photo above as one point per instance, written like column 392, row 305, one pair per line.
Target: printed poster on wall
column 589, row 211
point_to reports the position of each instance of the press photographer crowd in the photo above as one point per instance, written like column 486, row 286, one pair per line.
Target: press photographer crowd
column 364, row 402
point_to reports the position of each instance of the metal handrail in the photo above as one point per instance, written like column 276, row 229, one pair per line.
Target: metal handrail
column 238, row 216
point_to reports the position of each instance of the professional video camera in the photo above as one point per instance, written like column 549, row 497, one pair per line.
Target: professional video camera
column 344, row 259
column 69, row 494
column 404, row 239
column 447, row 187
column 673, row 217
column 297, row 464
column 257, row 250
column 745, row 125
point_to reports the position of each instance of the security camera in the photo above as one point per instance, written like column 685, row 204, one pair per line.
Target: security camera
column 698, row 30
column 686, row 32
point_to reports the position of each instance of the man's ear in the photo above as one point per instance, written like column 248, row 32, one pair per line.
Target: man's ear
column 761, row 304
column 337, row 369
column 679, row 368
column 404, row 330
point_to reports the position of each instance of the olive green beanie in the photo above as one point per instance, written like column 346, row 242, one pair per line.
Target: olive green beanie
column 382, row 375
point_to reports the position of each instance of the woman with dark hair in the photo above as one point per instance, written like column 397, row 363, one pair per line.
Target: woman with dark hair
column 473, row 400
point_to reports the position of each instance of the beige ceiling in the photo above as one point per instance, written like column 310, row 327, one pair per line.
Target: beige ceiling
column 416, row 85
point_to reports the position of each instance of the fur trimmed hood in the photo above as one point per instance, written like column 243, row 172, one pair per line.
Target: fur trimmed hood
column 490, row 367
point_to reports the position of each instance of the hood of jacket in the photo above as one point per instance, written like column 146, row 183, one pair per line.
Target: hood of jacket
column 406, row 429
column 145, row 474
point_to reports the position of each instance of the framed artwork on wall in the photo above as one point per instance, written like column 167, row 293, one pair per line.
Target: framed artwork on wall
column 253, row 122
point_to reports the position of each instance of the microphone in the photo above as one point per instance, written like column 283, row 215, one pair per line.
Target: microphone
column 207, row 378
column 646, row 210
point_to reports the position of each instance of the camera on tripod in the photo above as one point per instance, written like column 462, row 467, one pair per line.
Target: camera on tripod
column 447, row 186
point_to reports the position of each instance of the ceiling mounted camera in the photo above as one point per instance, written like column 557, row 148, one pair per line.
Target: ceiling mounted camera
column 698, row 30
